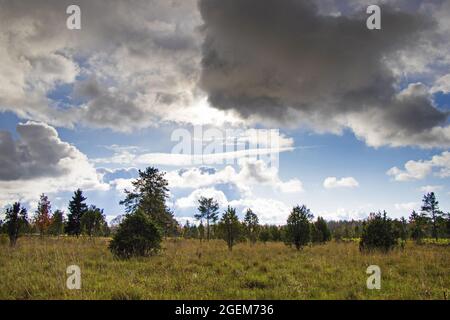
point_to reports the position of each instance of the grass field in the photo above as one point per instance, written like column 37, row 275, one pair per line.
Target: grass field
column 188, row 269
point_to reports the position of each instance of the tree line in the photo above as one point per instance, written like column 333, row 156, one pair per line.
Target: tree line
column 431, row 222
column 81, row 219
column 249, row 229
column 148, row 220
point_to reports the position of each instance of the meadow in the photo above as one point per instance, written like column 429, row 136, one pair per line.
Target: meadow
column 188, row 269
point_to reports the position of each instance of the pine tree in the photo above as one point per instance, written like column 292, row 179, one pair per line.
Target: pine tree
column 77, row 208
column 201, row 231
column 417, row 224
column 93, row 222
column 42, row 218
column 298, row 231
column 230, row 227
column 16, row 221
column 193, row 232
column 430, row 206
column 190, row 231
column 264, row 234
column 447, row 224
column 186, row 230
column 57, row 223
column 403, row 229
column 251, row 224
column 149, row 194
column 275, row 233
column 209, row 210
column 320, row 231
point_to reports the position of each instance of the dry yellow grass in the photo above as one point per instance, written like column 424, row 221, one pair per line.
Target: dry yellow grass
column 188, row 269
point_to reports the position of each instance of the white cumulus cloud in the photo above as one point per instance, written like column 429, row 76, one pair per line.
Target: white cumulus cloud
column 251, row 173
column 333, row 182
column 418, row 170
column 191, row 201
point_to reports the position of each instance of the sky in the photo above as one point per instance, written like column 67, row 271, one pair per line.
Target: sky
column 259, row 104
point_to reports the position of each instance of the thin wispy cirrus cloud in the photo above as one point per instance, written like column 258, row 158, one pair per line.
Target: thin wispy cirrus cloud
column 173, row 159
column 376, row 101
column 428, row 189
column 260, row 145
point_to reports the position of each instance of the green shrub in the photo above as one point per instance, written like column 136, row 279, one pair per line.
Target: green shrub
column 229, row 227
column 298, row 229
column 264, row 235
column 320, row 232
column 378, row 233
column 136, row 236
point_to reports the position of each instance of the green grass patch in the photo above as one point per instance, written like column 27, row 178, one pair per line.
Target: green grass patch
column 188, row 269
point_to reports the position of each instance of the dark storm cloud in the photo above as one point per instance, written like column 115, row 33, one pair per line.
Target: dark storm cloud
column 274, row 58
column 38, row 153
column 136, row 63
